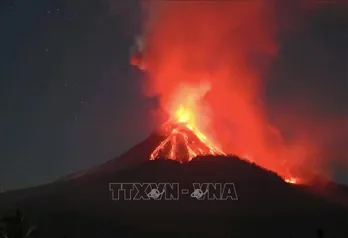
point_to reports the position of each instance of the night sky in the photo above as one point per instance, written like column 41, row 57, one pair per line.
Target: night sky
column 70, row 100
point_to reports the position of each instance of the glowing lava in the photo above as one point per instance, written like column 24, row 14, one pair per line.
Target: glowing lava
column 183, row 141
column 291, row 180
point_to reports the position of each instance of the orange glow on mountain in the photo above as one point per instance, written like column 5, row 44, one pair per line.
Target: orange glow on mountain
column 183, row 140
column 183, row 115
column 291, row 180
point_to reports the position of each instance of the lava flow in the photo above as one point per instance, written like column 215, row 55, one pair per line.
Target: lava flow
column 183, row 141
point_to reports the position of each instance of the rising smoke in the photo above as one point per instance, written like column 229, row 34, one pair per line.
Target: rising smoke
column 232, row 45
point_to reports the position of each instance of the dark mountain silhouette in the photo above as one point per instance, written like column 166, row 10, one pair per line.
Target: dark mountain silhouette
column 81, row 204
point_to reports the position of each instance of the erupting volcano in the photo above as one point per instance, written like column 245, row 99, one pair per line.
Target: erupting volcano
column 183, row 141
column 207, row 68
column 184, row 134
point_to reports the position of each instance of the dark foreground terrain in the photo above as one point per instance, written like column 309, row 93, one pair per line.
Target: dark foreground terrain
column 82, row 206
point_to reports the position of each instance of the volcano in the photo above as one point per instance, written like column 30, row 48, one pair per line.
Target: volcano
column 174, row 140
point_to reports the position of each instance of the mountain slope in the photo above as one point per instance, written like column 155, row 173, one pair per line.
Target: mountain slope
column 176, row 141
column 265, row 205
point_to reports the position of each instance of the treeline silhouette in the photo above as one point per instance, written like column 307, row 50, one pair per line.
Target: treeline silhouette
column 16, row 226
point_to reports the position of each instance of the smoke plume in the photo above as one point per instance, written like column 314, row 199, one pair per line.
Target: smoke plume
column 230, row 45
